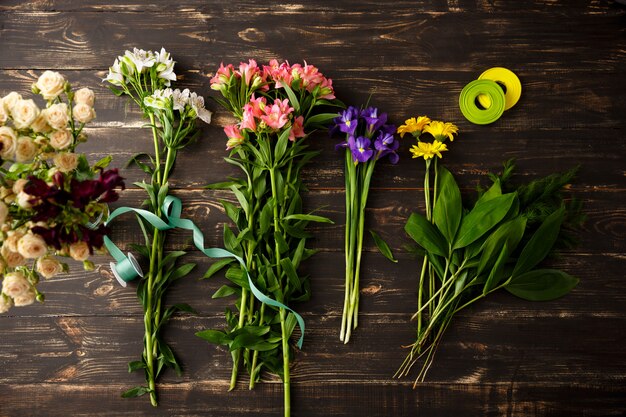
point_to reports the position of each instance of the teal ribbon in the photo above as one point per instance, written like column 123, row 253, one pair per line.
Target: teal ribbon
column 127, row 268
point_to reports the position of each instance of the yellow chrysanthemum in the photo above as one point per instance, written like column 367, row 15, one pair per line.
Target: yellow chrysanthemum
column 441, row 130
column 413, row 125
column 428, row 150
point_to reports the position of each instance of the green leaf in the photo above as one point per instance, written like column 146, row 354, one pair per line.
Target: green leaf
column 540, row 243
column 448, row 207
column 241, row 198
column 214, row 336
column 171, row 257
column 235, row 275
column 281, row 145
column 383, row 247
column 224, row 291
column 320, row 120
column 136, row 392
column 217, row 266
column 507, row 234
column 495, row 276
column 293, row 100
column 541, row 285
column 182, row 271
column 483, row 218
column 135, row 366
column 426, row 235
column 104, row 162
column 309, row 218
column 231, row 210
column 221, row 185
column 230, row 240
column 267, row 215
column 494, row 191
column 289, row 269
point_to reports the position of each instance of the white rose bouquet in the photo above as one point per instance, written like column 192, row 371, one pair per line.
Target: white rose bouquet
column 51, row 199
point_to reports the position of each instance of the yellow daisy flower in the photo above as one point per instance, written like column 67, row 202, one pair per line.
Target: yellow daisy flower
column 428, row 150
column 441, row 130
column 413, row 125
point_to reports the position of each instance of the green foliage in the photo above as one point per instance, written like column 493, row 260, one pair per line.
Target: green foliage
column 383, row 247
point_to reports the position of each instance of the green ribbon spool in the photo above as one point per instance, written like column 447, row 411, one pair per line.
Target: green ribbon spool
column 478, row 115
column 127, row 268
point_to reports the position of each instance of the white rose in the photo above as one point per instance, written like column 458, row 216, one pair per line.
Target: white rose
column 50, row 84
column 79, row 251
column 8, row 141
column 5, row 303
column 66, row 161
column 24, row 112
column 4, row 115
column 86, row 96
column 18, row 186
column 40, row 124
column 9, row 100
column 32, row 246
column 25, row 299
column 23, row 200
column 61, row 139
column 13, row 236
column 49, row 267
column 4, row 212
column 25, row 150
column 83, row 113
column 57, row 115
column 15, row 284
column 12, row 259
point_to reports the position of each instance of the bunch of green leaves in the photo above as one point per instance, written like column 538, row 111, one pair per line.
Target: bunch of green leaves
column 497, row 243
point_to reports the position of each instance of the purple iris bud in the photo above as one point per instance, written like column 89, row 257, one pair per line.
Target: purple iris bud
column 390, row 129
column 348, row 120
column 360, row 149
column 384, row 141
column 373, row 118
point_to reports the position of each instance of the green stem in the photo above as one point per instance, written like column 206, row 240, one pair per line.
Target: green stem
column 148, row 322
column 157, row 151
column 350, row 189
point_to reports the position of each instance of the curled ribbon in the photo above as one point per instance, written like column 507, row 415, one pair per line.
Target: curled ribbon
column 127, row 268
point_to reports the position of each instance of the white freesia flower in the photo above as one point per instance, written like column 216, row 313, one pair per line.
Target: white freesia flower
column 140, row 59
column 181, row 99
column 197, row 103
column 115, row 75
column 165, row 66
column 159, row 99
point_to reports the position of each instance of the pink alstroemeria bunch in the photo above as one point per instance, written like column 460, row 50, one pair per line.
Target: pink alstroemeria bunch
column 276, row 107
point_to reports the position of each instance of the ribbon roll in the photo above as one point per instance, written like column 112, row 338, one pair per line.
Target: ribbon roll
column 128, row 269
column 478, row 115
column 511, row 85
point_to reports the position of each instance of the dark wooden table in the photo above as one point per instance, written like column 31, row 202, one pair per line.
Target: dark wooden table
column 504, row 356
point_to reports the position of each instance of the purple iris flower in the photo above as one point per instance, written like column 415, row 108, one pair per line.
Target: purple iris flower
column 373, row 118
column 386, row 144
column 389, row 129
column 347, row 121
column 360, row 148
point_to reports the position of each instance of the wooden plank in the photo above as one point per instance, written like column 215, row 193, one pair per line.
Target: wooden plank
column 447, row 41
column 386, row 288
column 480, row 348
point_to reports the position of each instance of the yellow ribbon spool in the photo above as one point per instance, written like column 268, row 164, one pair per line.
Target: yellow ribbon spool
column 506, row 78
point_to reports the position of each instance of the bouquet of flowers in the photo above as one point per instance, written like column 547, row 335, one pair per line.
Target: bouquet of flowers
column 496, row 243
column 368, row 138
column 276, row 107
column 145, row 77
column 51, row 199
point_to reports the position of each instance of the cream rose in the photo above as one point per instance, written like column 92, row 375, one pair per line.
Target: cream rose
column 8, row 141
column 13, row 237
column 15, row 284
column 66, row 161
column 25, row 299
column 24, row 112
column 4, row 212
column 86, row 96
column 57, row 115
column 23, row 200
column 25, row 150
column 18, row 186
column 4, row 115
column 61, row 139
column 49, row 267
column 50, row 84
column 40, row 124
column 83, row 113
column 12, row 259
column 5, row 303
column 32, row 246
column 79, row 251
column 9, row 100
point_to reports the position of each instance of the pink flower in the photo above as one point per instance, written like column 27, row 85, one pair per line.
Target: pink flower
column 277, row 115
column 249, row 71
column 297, row 129
column 311, row 77
column 326, row 89
column 280, row 73
column 258, row 105
column 235, row 138
column 248, row 122
column 222, row 76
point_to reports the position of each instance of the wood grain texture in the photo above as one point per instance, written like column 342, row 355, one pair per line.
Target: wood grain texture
column 502, row 357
